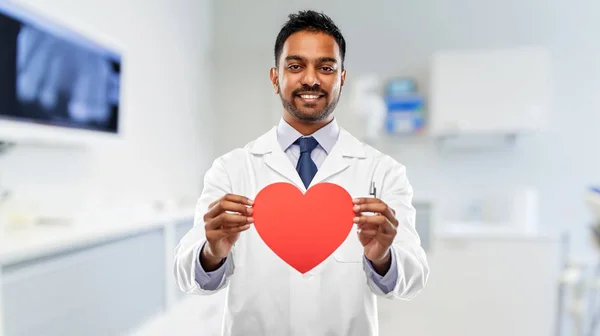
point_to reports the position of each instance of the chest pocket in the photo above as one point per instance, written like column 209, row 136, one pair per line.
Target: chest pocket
column 351, row 250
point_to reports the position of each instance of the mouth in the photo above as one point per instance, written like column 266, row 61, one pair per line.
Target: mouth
column 310, row 97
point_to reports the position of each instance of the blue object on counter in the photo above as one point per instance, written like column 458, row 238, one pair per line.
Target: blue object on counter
column 398, row 87
column 405, row 114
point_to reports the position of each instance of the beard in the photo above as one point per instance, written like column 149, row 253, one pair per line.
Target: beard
column 315, row 114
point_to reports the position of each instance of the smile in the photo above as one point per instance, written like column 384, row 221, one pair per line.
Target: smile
column 310, row 97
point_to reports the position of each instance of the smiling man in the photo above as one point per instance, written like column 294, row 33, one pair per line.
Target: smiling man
column 383, row 257
column 308, row 95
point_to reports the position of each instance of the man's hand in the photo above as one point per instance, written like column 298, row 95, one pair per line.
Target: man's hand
column 224, row 221
column 376, row 232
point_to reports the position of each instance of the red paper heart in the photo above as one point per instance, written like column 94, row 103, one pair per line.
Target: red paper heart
column 303, row 230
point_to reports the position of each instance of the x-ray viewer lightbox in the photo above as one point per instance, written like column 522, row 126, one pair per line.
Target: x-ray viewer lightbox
column 55, row 84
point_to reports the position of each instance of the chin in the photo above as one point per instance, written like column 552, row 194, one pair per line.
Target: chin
column 307, row 113
column 312, row 116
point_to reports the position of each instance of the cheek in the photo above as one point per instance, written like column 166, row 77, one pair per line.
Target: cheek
column 333, row 83
column 335, row 89
column 286, row 91
column 283, row 87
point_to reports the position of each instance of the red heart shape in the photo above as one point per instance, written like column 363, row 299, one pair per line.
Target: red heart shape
column 303, row 229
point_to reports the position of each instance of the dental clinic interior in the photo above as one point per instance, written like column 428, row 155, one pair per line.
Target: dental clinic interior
column 492, row 106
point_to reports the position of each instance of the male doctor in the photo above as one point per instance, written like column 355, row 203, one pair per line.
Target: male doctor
column 383, row 257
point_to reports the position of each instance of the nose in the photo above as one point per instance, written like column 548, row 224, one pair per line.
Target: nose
column 310, row 77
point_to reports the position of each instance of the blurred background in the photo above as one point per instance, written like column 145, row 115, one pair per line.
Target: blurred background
column 111, row 112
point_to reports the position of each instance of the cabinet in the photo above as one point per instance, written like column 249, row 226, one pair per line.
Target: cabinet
column 489, row 91
column 493, row 286
column 103, row 289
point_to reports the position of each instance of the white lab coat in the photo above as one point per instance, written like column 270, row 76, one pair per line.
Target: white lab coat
column 267, row 297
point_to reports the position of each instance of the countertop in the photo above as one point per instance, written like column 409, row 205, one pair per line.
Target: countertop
column 28, row 243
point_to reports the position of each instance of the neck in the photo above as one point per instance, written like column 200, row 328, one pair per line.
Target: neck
column 306, row 127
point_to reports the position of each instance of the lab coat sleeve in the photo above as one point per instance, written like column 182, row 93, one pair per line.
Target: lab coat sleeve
column 411, row 266
column 187, row 253
column 210, row 280
column 385, row 282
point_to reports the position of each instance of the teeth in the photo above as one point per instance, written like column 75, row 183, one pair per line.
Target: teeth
column 309, row 97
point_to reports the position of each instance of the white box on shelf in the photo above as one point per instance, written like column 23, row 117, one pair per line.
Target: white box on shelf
column 495, row 92
column 472, row 277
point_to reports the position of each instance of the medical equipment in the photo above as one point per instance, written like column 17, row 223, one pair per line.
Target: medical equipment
column 580, row 281
column 69, row 93
column 368, row 104
column 395, row 107
column 405, row 107
column 592, row 198
column 571, row 298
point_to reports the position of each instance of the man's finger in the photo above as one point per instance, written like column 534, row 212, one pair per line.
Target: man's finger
column 376, row 207
column 370, row 220
column 363, row 200
column 231, row 220
column 239, row 199
column 234, row 230
column 234, row 225
column 233, row 198
column 225, row 205
column 225, row 219
column 367, row 226
column 378, row 223
column 368, row 233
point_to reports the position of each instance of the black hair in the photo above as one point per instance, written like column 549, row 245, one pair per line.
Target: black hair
column 311, row 21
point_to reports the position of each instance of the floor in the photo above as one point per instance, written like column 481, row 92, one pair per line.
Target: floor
column 193, row 316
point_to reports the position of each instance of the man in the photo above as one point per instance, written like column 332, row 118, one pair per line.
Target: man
column 382, row 258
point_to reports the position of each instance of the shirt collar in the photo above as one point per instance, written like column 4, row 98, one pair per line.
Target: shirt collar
column 326, row 136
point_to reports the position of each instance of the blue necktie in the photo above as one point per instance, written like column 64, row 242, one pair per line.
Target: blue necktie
column 306, row 167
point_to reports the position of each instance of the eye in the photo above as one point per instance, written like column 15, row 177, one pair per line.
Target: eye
column 327, row 69
column 294, row 67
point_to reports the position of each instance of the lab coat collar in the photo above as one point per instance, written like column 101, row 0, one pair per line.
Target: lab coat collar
column 326, row 136
column 345, row 145
column 335, row 162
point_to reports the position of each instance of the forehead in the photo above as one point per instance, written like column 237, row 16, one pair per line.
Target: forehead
column 311, row 45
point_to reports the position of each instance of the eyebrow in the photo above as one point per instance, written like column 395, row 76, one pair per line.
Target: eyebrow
column 327, row 59
column 321, row 59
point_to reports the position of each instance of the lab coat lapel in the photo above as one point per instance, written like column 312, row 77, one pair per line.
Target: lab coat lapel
column 334, row 163
column 338, row 160
column 275, row 157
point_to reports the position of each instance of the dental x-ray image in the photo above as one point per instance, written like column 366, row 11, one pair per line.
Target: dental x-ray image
column 48, row 79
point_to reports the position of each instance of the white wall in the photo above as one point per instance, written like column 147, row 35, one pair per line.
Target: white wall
column 166, row 106
column 395, row 38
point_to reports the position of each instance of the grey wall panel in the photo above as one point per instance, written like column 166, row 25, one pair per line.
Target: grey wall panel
column 104, row 289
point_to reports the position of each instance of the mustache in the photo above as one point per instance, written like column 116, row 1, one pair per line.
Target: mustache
column 308, row 89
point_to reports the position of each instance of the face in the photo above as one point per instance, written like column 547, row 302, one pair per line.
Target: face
column 309, row 78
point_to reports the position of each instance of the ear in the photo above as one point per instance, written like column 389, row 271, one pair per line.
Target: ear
column 274, row 75
column 343, row 76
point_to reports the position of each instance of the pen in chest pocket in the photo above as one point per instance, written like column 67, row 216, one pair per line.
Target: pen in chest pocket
column 373, row 193
column 373, row 190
